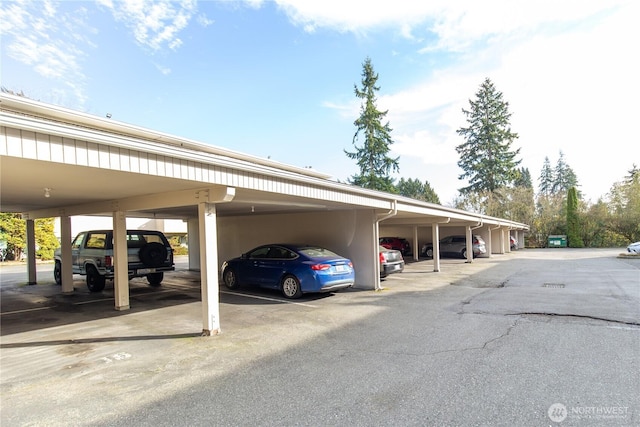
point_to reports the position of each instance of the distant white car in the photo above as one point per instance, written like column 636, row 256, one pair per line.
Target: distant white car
column 634, row 248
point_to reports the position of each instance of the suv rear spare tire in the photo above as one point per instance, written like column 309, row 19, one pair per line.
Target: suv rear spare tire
column 153, row 254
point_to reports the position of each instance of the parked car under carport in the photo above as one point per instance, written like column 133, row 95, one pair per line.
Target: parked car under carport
column 293, row 269
column 391, row 261
column 456, row 246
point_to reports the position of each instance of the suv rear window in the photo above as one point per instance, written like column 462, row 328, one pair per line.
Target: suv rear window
column 96, row 241
column 135, row 241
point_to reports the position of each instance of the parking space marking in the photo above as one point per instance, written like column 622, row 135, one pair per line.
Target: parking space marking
column 27, row 310
column 269, row 299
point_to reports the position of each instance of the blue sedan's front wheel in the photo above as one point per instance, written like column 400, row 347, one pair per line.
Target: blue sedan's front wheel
column 230, row 279
column 291, row 287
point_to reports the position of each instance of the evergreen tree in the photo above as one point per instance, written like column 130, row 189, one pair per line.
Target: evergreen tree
column 563, row 177
column 634, row 175
column 546, row 178
column 574, row 237
column 372, row 157
column 523, row 178
column 417, row 190
column 486, row 156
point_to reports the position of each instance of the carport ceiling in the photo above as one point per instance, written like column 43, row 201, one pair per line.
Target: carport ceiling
column 23, row 183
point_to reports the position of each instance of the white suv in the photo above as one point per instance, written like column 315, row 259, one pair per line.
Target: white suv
column 149, row 254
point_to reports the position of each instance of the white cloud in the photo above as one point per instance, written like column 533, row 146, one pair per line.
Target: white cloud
column 204, row 21
column 567, row 70
column 164, row 70
column 358, row 15
column 38, row 35
column 155, row 24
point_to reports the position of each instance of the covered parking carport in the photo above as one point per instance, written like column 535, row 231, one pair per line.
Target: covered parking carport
column 422, row 223
column 60, row 163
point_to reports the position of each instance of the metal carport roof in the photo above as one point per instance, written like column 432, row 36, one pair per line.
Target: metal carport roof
column 92, row 165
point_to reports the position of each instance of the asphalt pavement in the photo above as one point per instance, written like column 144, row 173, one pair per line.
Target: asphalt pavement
column 530, row 338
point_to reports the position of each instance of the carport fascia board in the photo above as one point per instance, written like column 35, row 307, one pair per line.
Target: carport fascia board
column 345, row 194
column 426, row 213
column 213, row 194
column 26, row 114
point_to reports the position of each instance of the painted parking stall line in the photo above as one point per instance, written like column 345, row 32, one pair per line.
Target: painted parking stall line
column 269, row 299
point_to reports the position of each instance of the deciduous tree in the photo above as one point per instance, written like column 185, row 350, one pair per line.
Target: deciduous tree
column 624, row 205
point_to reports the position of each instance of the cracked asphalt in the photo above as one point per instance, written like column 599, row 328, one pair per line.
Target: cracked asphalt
column 530, row 338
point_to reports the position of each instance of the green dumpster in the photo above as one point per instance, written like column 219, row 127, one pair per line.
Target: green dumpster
column 557, row 241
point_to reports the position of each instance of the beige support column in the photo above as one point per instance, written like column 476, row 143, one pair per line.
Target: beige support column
column 377, row 282
column 67, row 255
column 415, row 245
column 31, row 252
column 193, row 233
column 435, row 238
column 469, row 241
column 208, row 237
column 120, row 261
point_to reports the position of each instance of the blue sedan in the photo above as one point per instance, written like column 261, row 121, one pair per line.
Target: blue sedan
column 293, row 269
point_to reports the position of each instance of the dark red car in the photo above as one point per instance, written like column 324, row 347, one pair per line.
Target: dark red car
column 397, row 243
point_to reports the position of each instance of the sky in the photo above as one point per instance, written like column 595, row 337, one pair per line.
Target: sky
column 275, row 79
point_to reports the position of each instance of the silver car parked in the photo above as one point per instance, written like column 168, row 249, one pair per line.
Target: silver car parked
column 456, row 246
column 391, row 261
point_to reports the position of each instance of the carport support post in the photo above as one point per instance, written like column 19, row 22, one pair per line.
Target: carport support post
column 435, row 238
column 31, row 251
column 469, row 241
column 414, row 245
column 65, row 249
column 208, row 237
column 121, row 261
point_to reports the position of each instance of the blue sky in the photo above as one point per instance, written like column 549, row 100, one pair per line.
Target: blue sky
column 275, row 78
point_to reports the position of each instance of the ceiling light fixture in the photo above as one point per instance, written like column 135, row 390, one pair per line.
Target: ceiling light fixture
column 47, row 192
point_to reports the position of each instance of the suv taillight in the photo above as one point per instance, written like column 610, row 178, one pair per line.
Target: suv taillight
column 382, row 259
column 108, row 261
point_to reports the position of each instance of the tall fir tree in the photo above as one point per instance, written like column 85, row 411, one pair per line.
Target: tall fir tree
column 372, row 157
column 546, row 178
column 486, row 157
column 564, row 177
column 523, row 178
column 417, row 190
